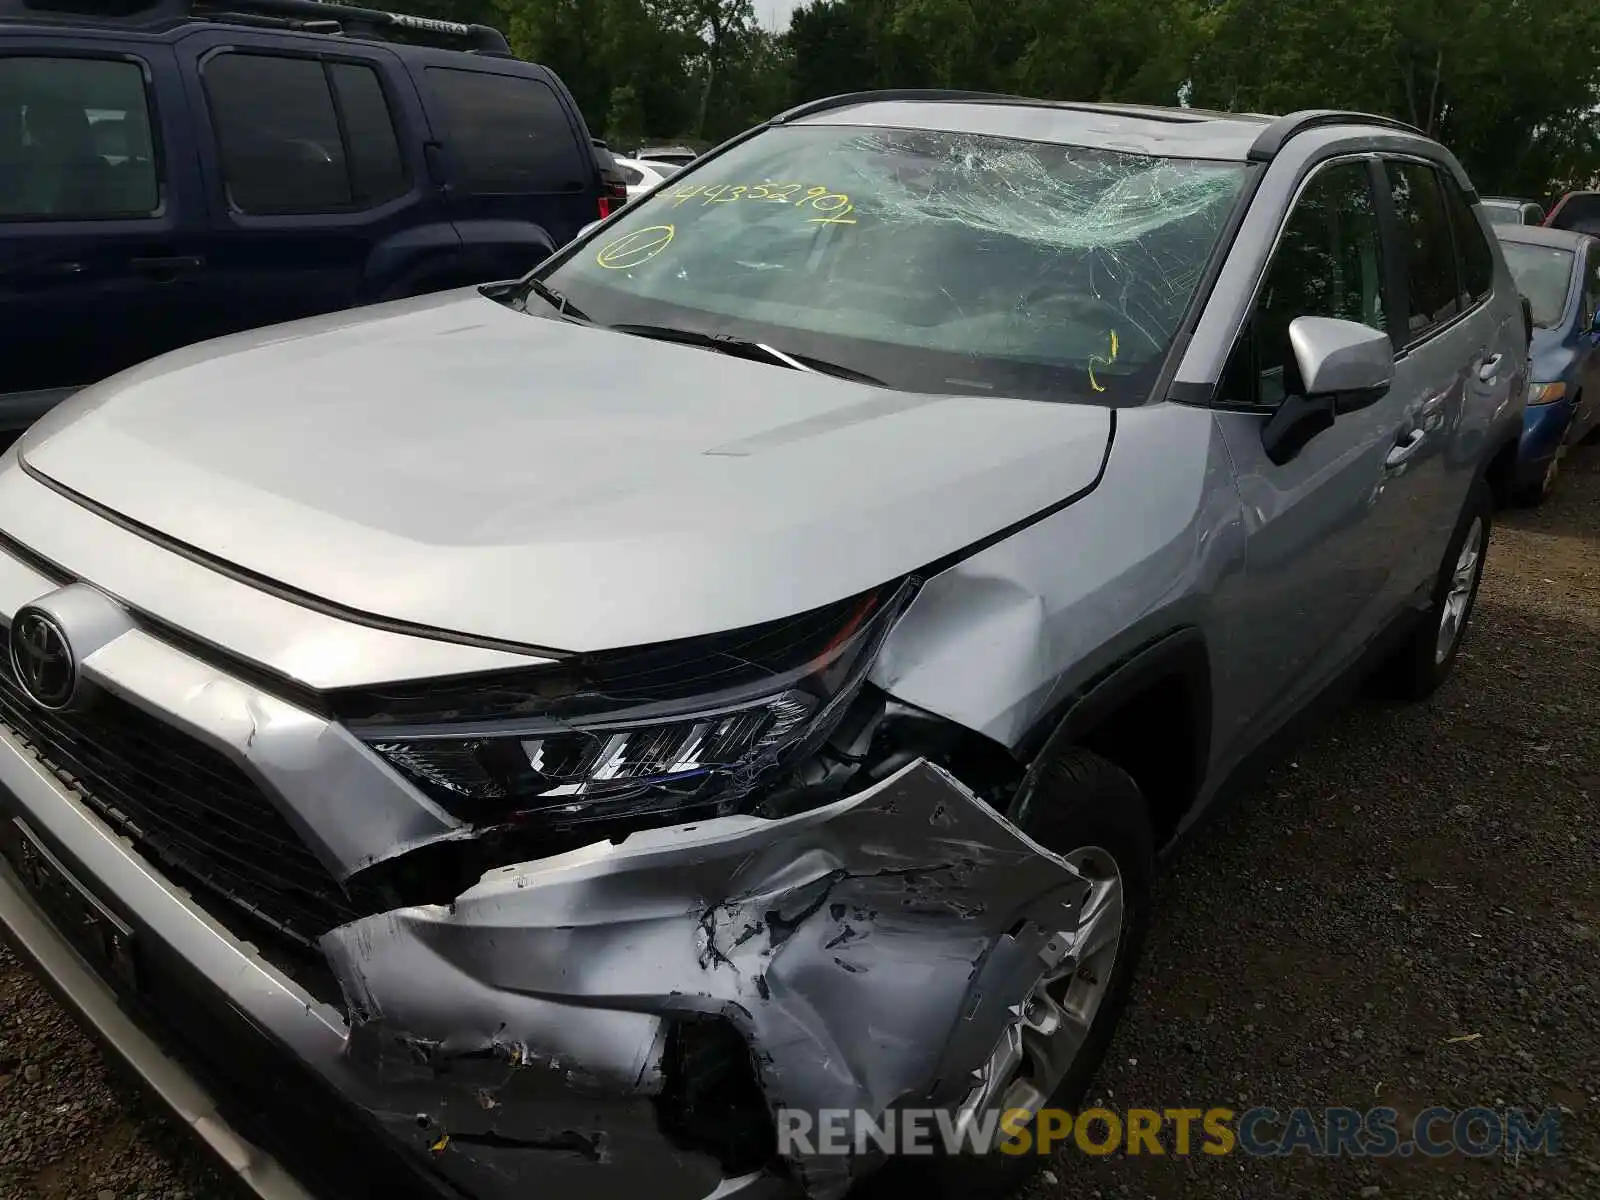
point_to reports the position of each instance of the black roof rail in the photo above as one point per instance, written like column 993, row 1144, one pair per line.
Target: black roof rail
column 845, row 99
column 1275, row 135
column 315, row 16
column 1148, row 112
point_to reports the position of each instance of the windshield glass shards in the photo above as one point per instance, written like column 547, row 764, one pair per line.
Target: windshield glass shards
column 934, row 261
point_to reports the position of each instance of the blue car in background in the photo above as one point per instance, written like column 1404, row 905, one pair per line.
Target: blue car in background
column 1559, row 272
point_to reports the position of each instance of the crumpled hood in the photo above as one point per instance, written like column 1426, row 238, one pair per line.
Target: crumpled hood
column 448, row 462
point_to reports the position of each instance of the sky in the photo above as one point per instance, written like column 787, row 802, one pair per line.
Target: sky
column 774, row 14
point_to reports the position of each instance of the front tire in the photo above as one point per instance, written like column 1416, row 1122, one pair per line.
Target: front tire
column 1425, row 660
column 1091, row 812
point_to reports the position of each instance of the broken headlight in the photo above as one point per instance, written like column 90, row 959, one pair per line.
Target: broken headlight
column 623, row 737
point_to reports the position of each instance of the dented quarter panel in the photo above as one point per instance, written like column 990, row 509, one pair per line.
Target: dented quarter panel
column 865, row 951
column 1156, row 546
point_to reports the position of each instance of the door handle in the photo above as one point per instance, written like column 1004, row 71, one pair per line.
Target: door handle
column 40, row 271
column 1490, row 365
column 1405, row 449
column 57, row 270
column 166, row 264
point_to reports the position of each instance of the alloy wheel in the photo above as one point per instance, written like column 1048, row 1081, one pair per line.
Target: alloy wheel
column 1458, row 599
column 1052, row 1023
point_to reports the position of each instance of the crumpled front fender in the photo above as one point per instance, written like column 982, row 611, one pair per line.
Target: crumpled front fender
column 866, row 952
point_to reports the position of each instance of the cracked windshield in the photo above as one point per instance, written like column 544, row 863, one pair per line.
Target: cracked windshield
column 928, row 261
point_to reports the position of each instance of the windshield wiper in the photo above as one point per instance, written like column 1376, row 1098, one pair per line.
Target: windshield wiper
column 556, row 301
column 727, row 343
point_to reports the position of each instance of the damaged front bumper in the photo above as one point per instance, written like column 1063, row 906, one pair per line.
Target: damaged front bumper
column 620, row 1017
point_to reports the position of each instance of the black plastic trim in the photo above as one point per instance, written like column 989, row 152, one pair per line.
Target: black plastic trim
column 1172, row 116
column 1185, row 391
column 1276, row 135
column 846, row 99
column 1181, row 653
column 299, row 16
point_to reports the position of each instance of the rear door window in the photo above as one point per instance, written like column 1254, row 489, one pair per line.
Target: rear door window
column 299, row 135
column 75, row 140
column 377, row 169
column 278, row 134
column 505, row 134
column 1472, row 244
column 1432, row 289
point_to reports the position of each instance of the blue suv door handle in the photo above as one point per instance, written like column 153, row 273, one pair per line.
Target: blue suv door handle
column 59, row 269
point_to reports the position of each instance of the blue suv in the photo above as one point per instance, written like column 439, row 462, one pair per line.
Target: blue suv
column 173, row 172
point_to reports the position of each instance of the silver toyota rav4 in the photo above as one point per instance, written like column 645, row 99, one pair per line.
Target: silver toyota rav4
column 553, row 738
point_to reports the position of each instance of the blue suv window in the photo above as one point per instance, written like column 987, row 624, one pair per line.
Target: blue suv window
column 377, row 172
column 298, row 135
column 75, row 140
column 507, row 134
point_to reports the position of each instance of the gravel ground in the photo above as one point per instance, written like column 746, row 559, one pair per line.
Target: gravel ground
column 1411, row 877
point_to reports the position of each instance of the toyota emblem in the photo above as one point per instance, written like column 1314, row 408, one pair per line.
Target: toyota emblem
column 41, row 657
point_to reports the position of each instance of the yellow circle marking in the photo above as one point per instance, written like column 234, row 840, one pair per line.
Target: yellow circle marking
column 633, row 249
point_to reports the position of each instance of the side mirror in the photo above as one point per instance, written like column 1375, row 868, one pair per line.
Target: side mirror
column 1527, row 318
column 1343, row 366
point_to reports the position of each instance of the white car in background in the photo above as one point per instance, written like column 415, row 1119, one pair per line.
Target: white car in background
column 642, row 174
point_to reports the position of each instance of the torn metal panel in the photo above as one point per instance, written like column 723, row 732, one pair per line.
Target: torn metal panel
column 865, row 951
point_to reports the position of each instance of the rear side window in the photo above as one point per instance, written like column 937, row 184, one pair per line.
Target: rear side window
column 75, row 140
column 1472, row 245
column 297, row 135
column 377, row 172
column 505, row 134
column 1430, row 267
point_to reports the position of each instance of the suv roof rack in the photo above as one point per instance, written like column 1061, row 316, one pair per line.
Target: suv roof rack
column 1275, row 135
column 311, row 16
column 1148, row 112
column 845, row 99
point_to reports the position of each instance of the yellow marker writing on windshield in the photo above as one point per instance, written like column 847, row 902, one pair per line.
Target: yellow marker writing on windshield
column 633, row 249
column 1102, row 361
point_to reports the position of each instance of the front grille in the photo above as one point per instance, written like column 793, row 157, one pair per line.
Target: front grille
column 185, row 806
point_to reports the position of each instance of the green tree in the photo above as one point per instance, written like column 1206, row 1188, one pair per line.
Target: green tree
column 1512, row 86
column 1509, row 85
